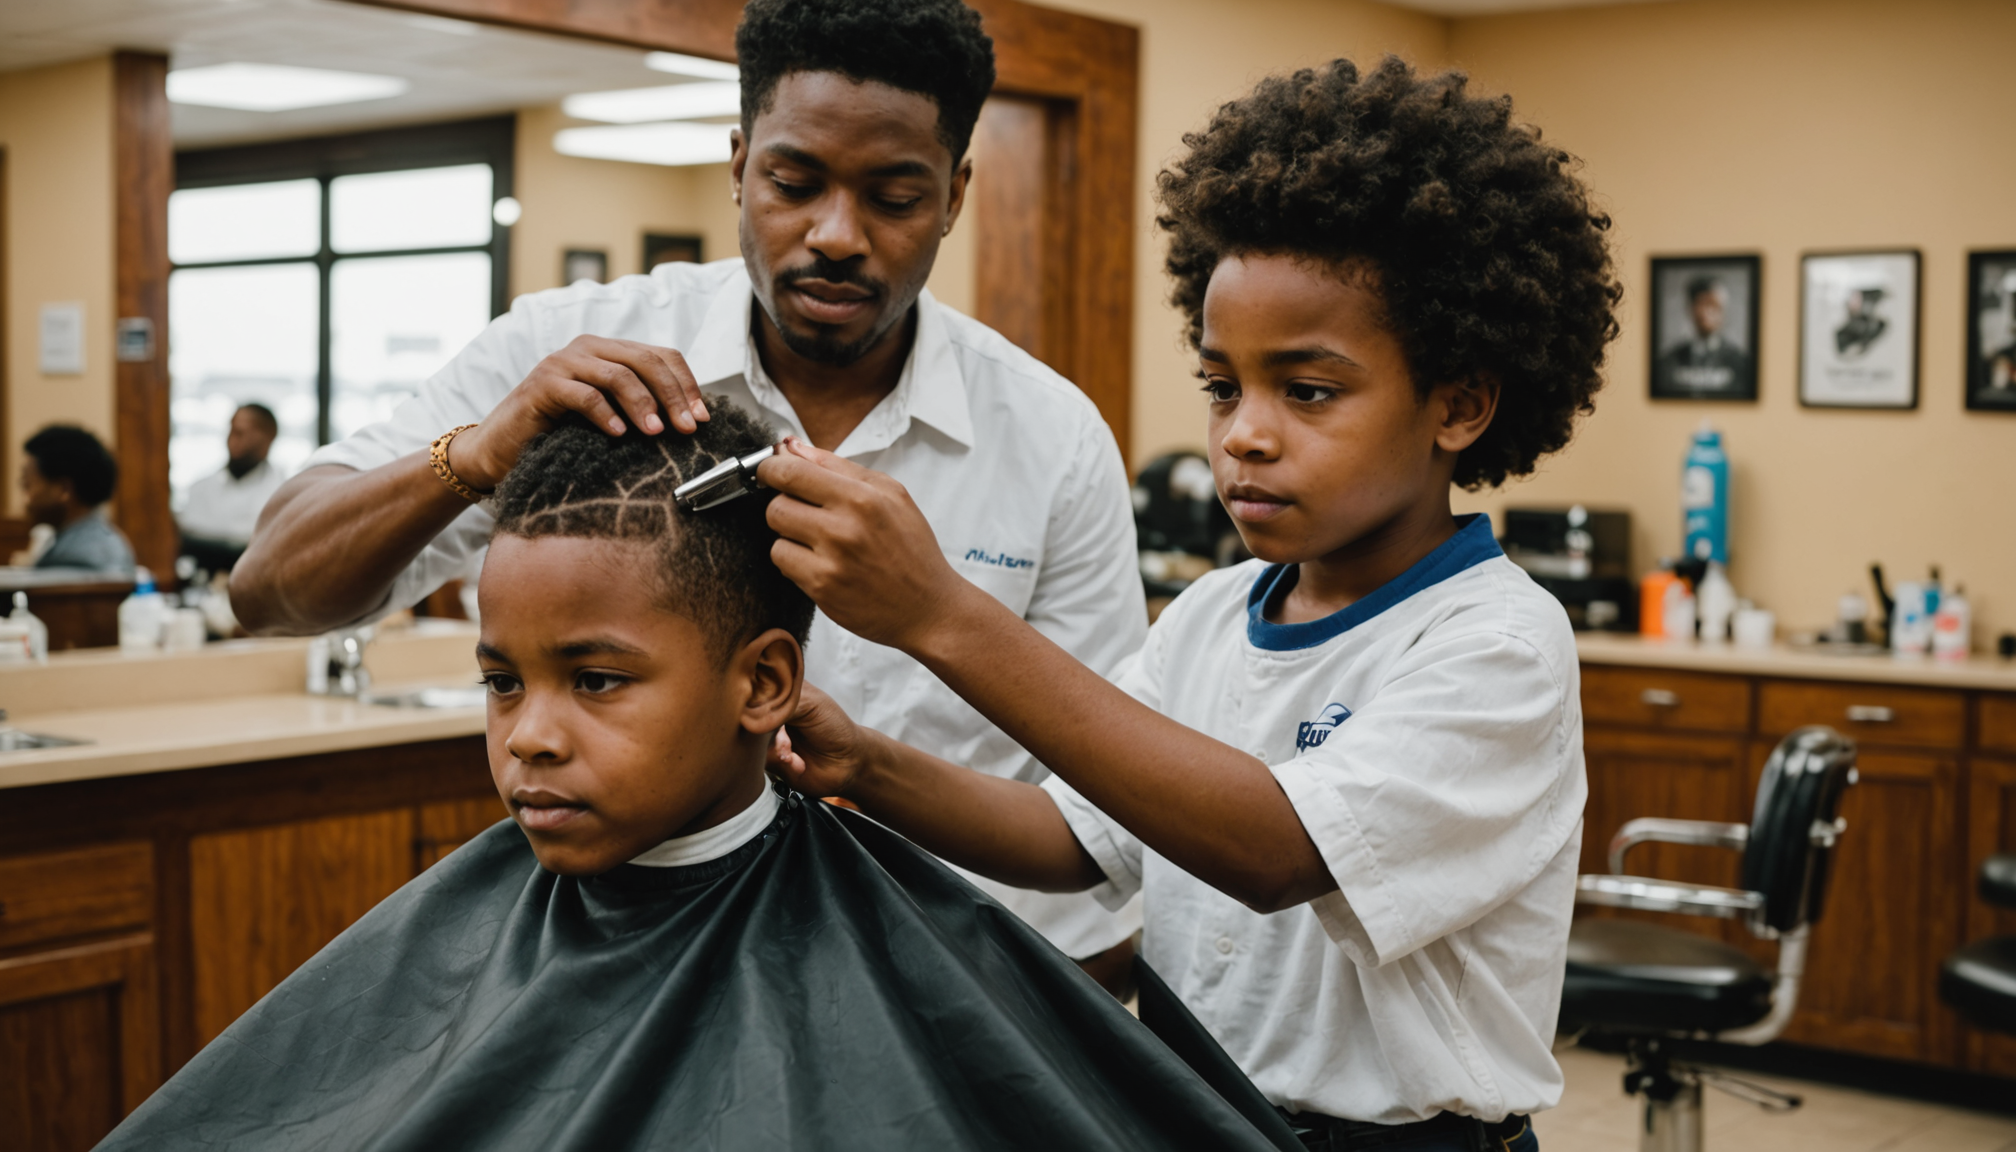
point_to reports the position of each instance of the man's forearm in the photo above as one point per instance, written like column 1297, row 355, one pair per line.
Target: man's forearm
column 1006, row 830
column 332, row 540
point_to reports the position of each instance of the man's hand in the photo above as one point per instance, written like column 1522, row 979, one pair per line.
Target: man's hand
column 820, row 750
column 856, row 543
column 616, row 384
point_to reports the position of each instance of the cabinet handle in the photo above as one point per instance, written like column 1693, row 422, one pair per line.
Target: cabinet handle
column 1659, row 698
column 1871, row 713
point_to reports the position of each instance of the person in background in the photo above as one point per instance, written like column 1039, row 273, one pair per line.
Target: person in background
column 224, row 507
column 67, row 479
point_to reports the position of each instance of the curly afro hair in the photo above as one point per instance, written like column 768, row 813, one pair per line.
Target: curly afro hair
column 715, row 566
column 931, row 47
column 67, row 452
column 1482, row 243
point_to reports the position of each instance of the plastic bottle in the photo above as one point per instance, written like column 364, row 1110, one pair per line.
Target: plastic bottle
column 1652, row 598
column 1704, row 497
column 1910, row 626
column 1677, row 611
column 1953, row 626
column 1717, row 602
column 141, row 615
column 38, row 632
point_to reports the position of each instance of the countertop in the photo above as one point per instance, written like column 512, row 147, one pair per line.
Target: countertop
column 229, row 703
column 1976, row 672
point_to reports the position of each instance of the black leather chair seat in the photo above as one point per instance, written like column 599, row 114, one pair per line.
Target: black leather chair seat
column 1980, row 980
column 1628, row 976
column 1998, row 880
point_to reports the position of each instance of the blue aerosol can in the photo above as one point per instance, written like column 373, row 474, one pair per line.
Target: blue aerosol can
column 1704, row 497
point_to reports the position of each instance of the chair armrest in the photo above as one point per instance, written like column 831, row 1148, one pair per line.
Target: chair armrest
column 1707, row 833
column 1651, row 895
column 1998, row 880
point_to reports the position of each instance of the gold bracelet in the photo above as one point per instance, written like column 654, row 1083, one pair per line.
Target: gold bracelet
column 437, row 457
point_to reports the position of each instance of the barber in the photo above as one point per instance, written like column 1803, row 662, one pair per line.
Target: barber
column 849, row 169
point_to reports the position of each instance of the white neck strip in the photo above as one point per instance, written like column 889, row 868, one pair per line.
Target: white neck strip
column 718, row 841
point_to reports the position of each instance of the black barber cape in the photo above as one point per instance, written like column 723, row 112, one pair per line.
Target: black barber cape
column 826, row 986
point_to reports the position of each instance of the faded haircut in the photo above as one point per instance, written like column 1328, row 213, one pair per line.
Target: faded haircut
column 713, row 567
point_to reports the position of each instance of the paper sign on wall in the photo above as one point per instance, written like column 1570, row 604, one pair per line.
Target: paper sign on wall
column 62, row 339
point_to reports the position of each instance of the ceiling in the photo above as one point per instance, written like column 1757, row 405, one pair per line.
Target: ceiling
column 457, row 69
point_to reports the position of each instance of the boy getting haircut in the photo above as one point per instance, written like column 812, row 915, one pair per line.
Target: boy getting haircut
column 779, row 974
column 1345, row 778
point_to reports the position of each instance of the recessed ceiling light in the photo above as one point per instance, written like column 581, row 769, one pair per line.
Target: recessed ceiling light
column 276, row 87
column 674, row 145
column 679, row 64
column 671, row 102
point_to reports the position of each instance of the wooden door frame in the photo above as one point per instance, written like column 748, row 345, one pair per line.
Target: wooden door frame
column 143, row 152
column 1086, row 68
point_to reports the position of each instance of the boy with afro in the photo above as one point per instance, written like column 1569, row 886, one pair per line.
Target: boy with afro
column 1347, row 775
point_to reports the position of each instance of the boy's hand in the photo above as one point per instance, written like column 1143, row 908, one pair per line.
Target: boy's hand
column 856, row 543
column 820, row 750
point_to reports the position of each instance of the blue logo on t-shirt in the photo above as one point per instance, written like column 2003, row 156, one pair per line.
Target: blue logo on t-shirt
column 1311, row 733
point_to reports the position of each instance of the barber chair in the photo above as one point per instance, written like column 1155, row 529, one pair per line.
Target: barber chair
column 1638, row 986
column 1979, row 980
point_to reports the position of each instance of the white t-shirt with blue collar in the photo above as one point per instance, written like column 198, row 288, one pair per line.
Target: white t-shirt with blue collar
column 1429, row 737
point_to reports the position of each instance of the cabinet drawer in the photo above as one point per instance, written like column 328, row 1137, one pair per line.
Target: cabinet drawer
column 1998, row 723
column 64, row 894
column 1877, row 713
column 1656, row 698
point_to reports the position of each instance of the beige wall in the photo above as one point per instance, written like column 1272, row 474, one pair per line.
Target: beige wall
column 1723, row 125
column 56, row 128
column 1195, row 55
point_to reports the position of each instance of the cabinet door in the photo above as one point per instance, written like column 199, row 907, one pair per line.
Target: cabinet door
column 1891, row 914
column 1991, row 818
column 264, row 900
column 1633, row 774
column 80, row 1043
column 447, row 825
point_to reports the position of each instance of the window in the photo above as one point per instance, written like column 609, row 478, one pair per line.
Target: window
column 326, row 279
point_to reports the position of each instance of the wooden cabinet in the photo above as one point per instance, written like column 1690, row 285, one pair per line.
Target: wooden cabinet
column 1937, row 794
column 140, row 915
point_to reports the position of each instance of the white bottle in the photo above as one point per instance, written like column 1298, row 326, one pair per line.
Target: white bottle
column 141, row 615
column 1677, row 613
column 1910, row 626
column 1717, row 600
column 1952, row 626
column 38, row 632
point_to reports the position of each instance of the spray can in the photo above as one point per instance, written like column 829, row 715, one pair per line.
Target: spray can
column 1704, row 497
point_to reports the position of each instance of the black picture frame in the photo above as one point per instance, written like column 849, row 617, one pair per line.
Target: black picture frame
column 1991, row 354
column 1685, row 362
column 578, row 264
column 660, row 247
column 1877, row 367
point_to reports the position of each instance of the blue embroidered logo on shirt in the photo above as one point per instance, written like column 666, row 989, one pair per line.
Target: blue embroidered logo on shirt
column 998, row 559
column 1311, row 733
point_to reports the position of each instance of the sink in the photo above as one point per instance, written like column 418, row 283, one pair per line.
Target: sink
column 462, row 696
column 15, row 740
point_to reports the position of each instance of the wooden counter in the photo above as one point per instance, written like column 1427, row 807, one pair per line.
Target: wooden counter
column 1684, row 730
column 221, row 828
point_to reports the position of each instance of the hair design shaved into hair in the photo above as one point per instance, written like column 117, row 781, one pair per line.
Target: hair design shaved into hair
column 714, row 566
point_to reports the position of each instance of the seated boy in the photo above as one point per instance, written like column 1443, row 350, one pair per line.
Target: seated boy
column 659, row 950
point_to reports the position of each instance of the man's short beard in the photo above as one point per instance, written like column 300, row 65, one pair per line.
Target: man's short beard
column 822, row 347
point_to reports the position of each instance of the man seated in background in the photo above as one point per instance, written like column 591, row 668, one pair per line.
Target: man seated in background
column 224, row 507
column 661, row 949
column 67, row 479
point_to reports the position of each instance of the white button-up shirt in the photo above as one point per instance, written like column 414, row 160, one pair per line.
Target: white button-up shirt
column 1011, row 464
column 1429, row 737
column 226, row 507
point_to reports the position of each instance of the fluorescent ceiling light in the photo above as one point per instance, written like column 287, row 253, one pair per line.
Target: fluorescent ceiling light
column 670, row 144
column 679, row 64
column 276, row 87
column 671, row 102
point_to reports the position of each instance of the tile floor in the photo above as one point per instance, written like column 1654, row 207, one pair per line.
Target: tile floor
column 1595, row 1116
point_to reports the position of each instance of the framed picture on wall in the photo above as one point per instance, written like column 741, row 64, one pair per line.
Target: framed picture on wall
column 1704, row 327
column 578, row 264
column 660, row 248
column 1991, row 331
column 1858, row 329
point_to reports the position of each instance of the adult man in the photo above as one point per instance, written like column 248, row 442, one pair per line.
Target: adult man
column 223, row 507
column 849, row 168
column 66, row 480
column 1706, row 362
